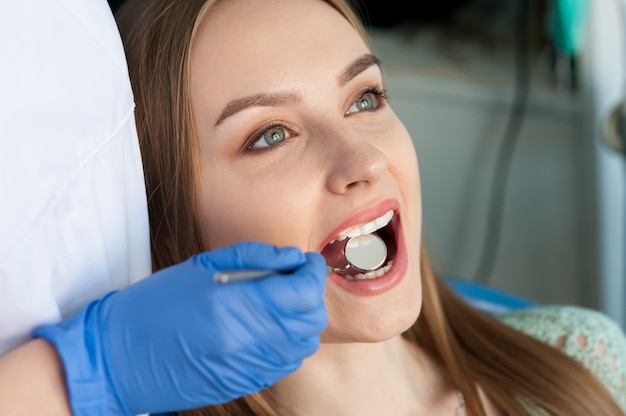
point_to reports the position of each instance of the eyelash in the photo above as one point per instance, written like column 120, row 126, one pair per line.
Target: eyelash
column 259, row 133
column 380, row 93
column 381, row 99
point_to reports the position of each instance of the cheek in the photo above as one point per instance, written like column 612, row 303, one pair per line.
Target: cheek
column 223, row 214
column 245, row 205
column 225, row 211
column 403, row 162
column 404, row 167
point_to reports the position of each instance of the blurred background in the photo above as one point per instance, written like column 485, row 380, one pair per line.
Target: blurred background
column 514, row 107
column 516, row 111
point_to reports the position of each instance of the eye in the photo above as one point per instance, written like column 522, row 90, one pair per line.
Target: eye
column 271, row 136
column 372, row 99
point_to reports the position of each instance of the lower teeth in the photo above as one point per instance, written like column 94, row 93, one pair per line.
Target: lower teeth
column 370, row 275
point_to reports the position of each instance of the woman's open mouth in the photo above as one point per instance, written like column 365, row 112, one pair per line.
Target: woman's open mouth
column 335, row 251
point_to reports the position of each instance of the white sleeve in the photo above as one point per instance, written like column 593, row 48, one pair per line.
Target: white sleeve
column 73, row 216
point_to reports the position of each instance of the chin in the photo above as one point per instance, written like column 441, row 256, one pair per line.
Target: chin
column 373, row 326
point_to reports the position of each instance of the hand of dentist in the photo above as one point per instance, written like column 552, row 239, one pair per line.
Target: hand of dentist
column 178, row 340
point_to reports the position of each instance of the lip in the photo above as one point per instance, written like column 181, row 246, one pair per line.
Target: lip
column 371, row 287
column 360, row 218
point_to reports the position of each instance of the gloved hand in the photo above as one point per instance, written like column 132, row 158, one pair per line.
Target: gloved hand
column 178, row 340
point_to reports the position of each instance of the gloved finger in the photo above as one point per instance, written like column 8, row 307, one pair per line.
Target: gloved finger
column 285, row 348
column 300, row 326
column 289, row 357
column 300, row 291
column 255, row 320
column 298, row 334
column 263, row 372
column 253, row 255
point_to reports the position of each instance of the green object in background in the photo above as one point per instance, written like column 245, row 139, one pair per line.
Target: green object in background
column 567, row 23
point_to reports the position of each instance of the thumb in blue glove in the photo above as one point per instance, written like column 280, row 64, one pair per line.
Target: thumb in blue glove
column 177, row 340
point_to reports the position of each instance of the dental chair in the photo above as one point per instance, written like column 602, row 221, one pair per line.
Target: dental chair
column 485, row 298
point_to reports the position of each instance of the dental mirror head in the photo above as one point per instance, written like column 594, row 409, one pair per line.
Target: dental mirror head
column 366, row 252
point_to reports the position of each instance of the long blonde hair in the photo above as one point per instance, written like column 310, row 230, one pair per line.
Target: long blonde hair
column 516, row 371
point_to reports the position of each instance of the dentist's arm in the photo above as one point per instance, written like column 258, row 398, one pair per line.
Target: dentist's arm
column 178, row 340
column 32, row 381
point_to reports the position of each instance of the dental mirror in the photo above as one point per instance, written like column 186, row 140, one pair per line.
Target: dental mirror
column 366, row 252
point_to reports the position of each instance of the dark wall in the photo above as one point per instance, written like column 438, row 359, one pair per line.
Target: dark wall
column 387, row 13
column 391, row 12
column 115, row 4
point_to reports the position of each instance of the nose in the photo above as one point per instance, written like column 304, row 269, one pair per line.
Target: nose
column 354, row 163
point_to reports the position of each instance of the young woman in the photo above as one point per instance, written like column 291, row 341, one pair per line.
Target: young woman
column 267, row 120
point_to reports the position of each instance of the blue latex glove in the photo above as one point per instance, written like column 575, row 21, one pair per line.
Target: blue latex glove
column 177, row 340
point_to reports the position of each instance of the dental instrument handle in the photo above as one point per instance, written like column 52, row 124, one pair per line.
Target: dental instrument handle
column 229, row 276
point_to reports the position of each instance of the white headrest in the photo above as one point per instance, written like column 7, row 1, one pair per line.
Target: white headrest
column 73, row 217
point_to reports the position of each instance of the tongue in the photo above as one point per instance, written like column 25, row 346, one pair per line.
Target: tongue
column 335, row 254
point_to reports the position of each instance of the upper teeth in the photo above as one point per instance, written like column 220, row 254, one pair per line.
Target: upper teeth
column 366, row 228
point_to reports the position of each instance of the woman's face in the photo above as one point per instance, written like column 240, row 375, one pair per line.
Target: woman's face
column 298, row 145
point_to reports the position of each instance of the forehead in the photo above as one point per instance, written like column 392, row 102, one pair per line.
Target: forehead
column 271, row 41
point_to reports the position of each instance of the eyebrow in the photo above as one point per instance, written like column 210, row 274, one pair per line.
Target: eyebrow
column 356, row 67
column 258, row 100
column 277, row 99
